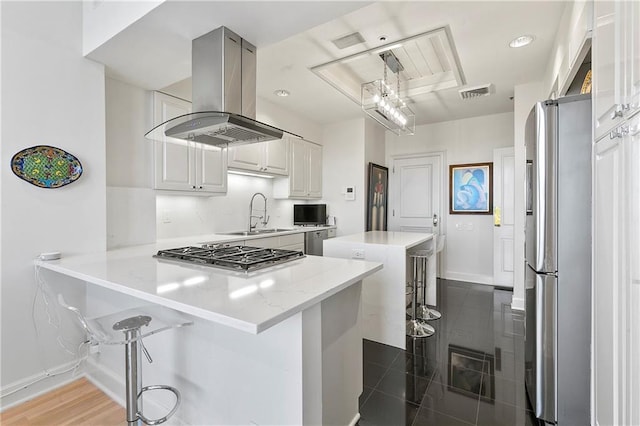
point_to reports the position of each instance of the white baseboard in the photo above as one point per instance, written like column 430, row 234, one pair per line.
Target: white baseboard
column 470, row 278
column 106, row 380
column 517, row 304
column 33, row 386
column 355, row 420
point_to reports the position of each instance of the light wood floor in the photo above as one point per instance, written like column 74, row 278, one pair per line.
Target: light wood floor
column 78, row 403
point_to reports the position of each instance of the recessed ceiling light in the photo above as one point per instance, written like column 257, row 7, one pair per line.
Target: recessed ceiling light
column 521, row 41
column 282, row 93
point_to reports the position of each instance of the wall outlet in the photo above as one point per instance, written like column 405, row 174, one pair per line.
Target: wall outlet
column 357, row 253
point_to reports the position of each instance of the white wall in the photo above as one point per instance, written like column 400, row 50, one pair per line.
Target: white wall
column 468, row 254
column 288, row 121
column 131, row 203
column 50, row 95
column 343, row 165
column 102, row 20
column 128, row 118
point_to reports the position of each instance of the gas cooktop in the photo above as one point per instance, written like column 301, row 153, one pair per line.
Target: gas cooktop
column 237, row 258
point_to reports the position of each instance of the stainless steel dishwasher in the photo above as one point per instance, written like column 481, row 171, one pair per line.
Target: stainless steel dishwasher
column 313, row 241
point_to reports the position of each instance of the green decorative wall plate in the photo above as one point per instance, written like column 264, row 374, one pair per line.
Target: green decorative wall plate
column 46, row 166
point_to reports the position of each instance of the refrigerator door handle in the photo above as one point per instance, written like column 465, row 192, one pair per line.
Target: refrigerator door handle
column 546, row 354
column 546, row 184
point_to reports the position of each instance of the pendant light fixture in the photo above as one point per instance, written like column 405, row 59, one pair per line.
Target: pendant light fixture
column 382, row 102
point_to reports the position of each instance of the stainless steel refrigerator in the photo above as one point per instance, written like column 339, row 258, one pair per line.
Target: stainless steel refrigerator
column 558, row 257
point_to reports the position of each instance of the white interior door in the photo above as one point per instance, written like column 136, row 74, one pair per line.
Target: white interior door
column 503, row 209
column 414, row 196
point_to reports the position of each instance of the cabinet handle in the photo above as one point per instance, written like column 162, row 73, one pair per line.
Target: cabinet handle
column 619, row 132
column 200, row 186
column 194, row 187
column 619, row 111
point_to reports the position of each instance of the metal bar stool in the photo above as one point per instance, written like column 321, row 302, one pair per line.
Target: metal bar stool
column 424, row 312
column 107, row 330
column 417, row 327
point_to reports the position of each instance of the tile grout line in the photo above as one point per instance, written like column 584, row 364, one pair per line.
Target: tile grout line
column 375, row 387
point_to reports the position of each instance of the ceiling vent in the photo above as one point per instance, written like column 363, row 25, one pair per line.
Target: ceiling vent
column 348, row 40
column 476, row 92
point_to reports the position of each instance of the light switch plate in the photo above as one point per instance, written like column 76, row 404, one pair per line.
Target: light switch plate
column 350, row 193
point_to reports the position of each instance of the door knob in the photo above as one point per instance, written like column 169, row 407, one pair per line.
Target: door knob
column 435, row 220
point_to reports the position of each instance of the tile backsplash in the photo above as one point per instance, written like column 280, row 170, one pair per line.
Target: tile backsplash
column 185, row 215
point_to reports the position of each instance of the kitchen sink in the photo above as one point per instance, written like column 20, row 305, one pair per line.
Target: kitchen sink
column 257, row 231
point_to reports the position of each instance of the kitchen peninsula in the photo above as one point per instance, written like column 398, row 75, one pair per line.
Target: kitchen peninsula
column 280, row 345
column 384, row 293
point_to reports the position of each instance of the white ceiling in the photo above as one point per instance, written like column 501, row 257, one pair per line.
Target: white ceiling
column 294, row 36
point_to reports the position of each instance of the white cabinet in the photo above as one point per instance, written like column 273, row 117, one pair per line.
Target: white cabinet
column 632, row 61
column 616, row 63
column 616, row 282
column 288, row 242
column 269, row 158
column 315, row 171
column 181, row 165
column 305, row 172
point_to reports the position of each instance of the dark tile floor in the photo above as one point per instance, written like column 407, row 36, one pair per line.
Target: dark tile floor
column 469, row 373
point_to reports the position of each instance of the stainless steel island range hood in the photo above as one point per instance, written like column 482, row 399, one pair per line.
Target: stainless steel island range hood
column 224, row 95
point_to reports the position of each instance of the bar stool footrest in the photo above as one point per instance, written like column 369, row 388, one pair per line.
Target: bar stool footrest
column 419, row 329
column 171, row 413
column 425, row 313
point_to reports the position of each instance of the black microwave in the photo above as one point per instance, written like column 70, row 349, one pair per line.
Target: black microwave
column 309, row 214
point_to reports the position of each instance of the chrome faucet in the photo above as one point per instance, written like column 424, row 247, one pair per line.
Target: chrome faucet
column 264, row 218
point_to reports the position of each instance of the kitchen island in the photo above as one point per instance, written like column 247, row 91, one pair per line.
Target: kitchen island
column 280, row 345
column 384, row 297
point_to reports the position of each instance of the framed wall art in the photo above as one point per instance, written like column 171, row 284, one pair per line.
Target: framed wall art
column 377, row 198
column 470, row 188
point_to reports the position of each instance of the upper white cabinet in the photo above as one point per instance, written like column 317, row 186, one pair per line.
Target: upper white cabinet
column 182, row 165
column 616, row 63
column 305, row 172
column 632, row 64
column 616, row 281
column 269, row 158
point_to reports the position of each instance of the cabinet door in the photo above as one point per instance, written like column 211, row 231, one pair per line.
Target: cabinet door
column 246, row 157
column 632, row 57
column 608, row 296
column 298, row 175
column 633, row 177
column 607, row 66
column 276, row 157
column 211, row 168
column 173, row 159
column 315, row 171
column 269, row 242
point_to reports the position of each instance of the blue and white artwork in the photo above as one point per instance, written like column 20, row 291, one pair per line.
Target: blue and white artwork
column 470, row 188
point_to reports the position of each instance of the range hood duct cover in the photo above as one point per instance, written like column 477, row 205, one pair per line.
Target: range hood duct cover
column 223, row 94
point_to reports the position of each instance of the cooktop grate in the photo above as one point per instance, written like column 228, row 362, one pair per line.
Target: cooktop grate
column 237, row 258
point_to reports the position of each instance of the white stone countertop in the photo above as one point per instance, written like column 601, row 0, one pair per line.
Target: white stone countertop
column 389, row 238
column 226, row 238
column 250, row 302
